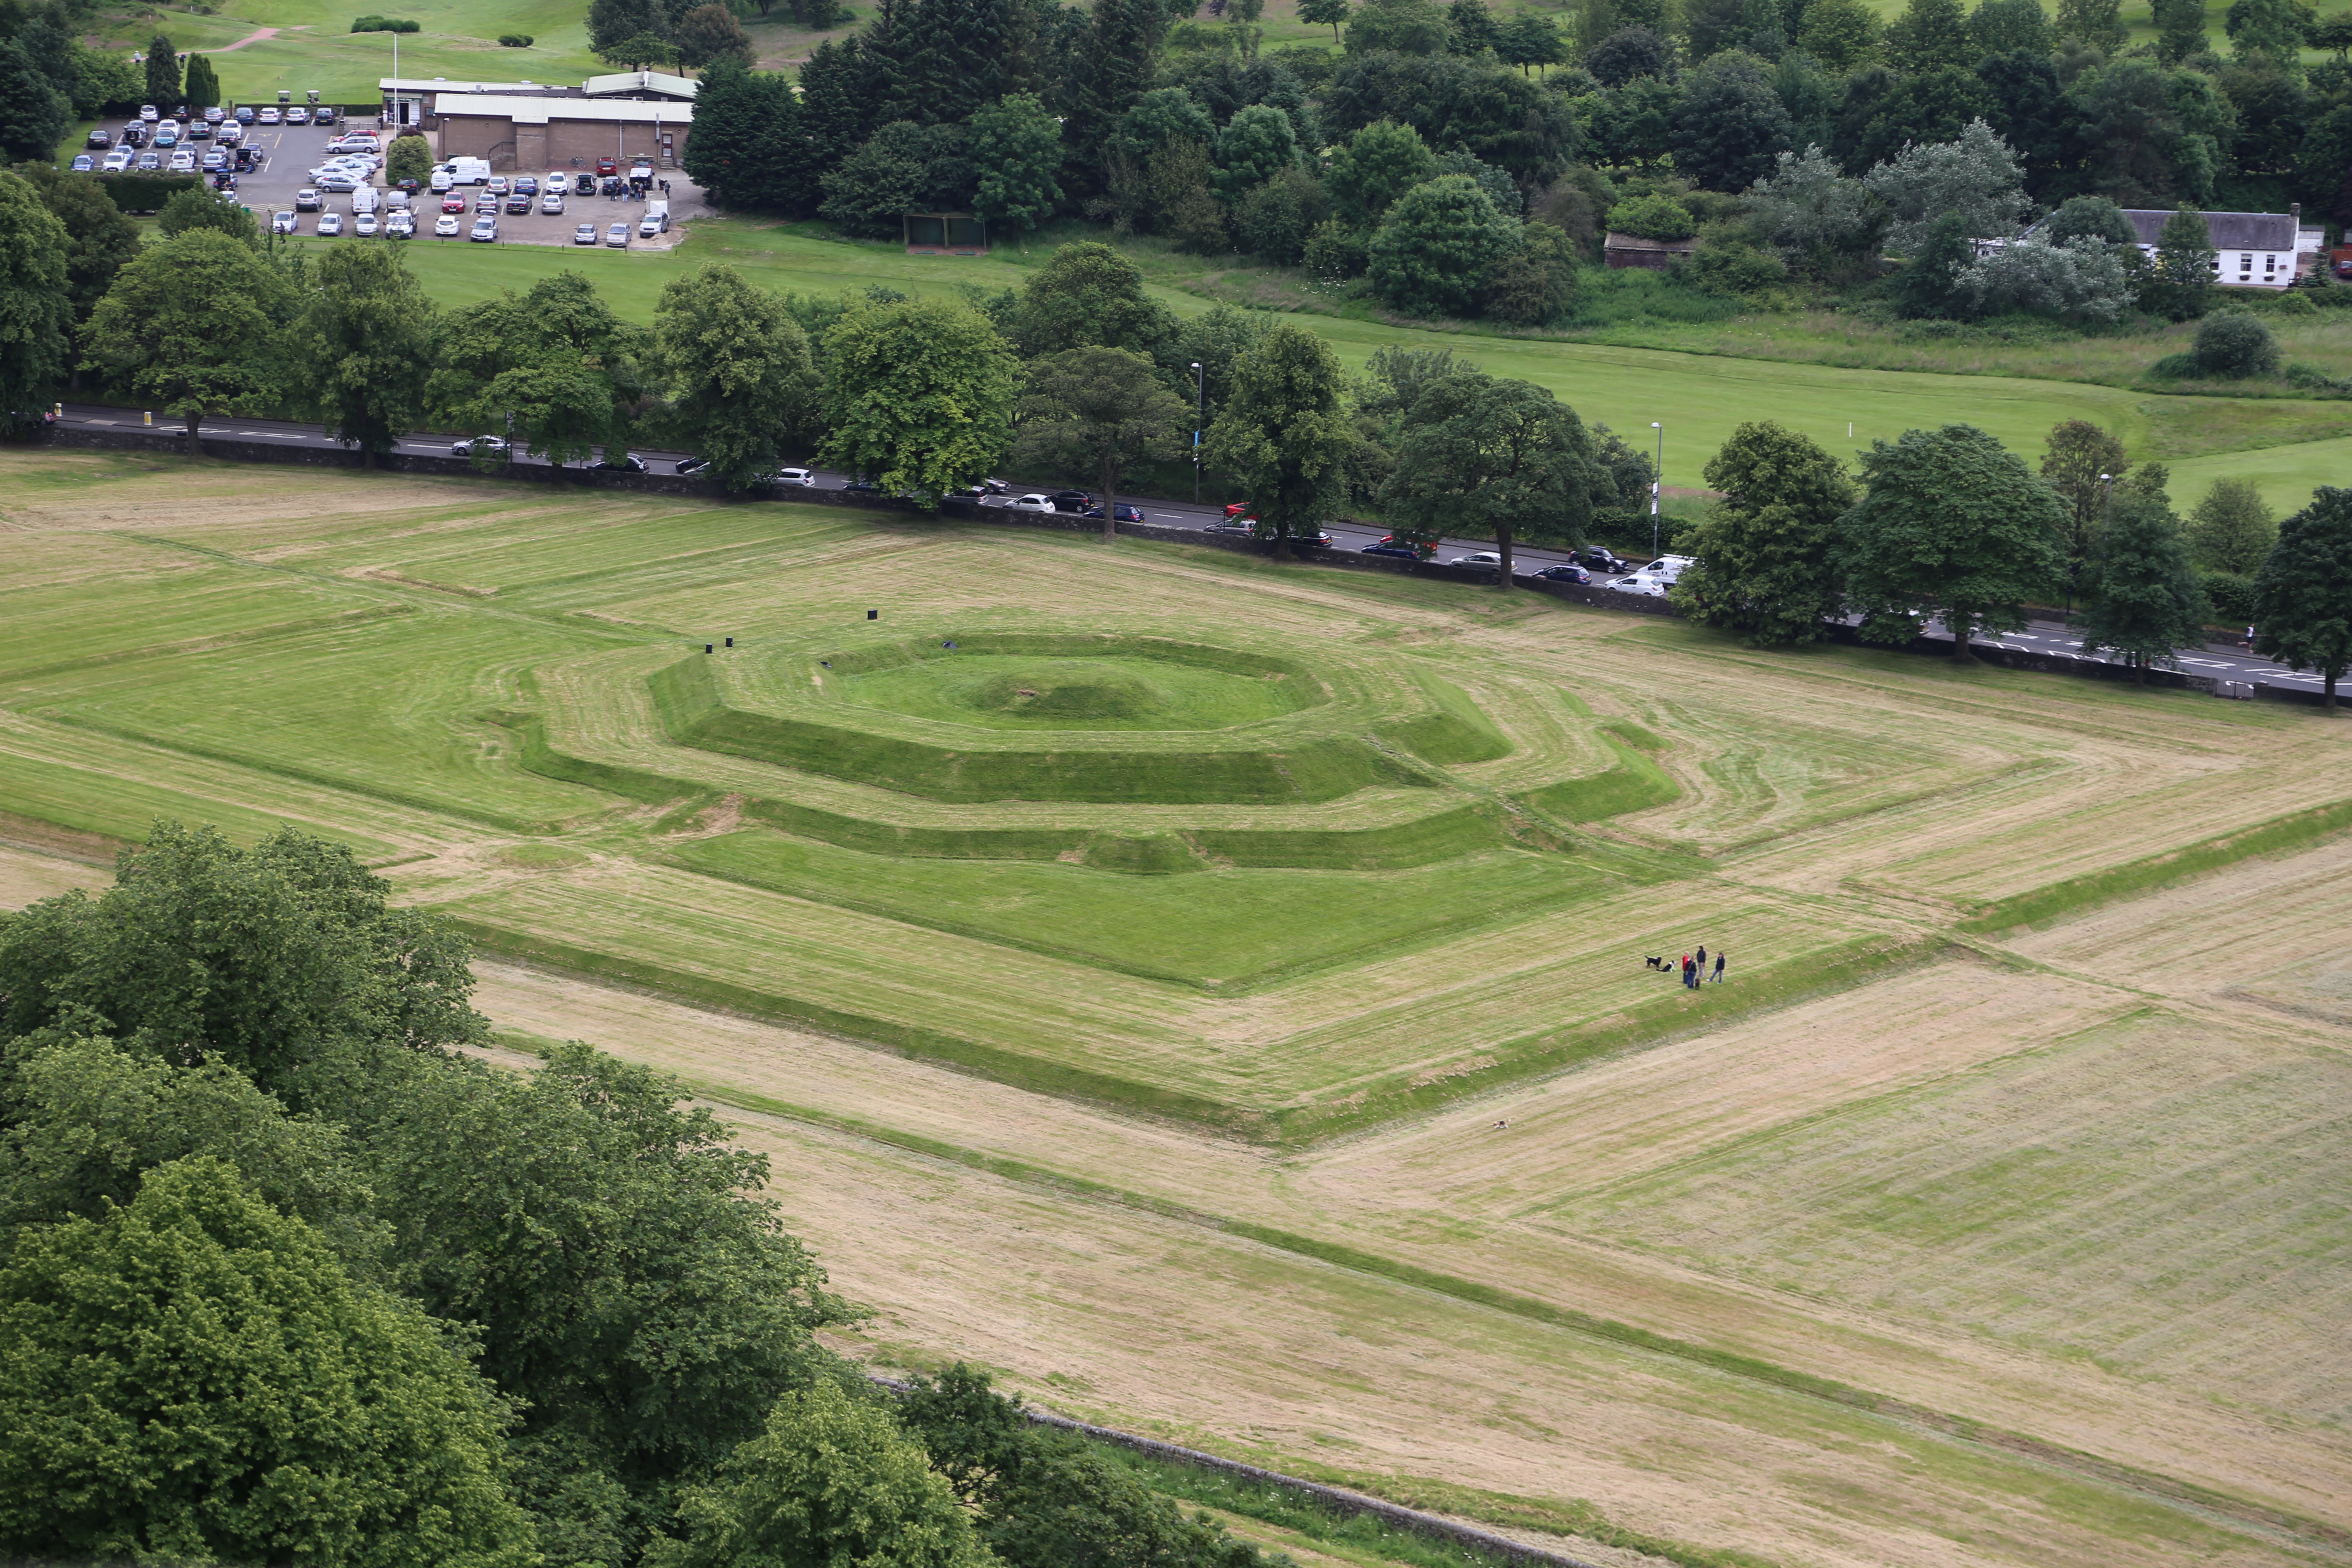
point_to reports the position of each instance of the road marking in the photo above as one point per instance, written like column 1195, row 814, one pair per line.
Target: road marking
column 2209, row 663
column 98, row 422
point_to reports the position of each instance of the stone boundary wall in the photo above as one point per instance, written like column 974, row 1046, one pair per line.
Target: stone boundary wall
column 236, row 449
column 1332, row 1500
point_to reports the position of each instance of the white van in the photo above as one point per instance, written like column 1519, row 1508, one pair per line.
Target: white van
column 655, row 221
column 441, row 180
column 468, row 171
column 364, row 199
column 1667, row 569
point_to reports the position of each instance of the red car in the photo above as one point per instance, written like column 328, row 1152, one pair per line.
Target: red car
column 453, row 203
column 1238, row 509
column 608, row 166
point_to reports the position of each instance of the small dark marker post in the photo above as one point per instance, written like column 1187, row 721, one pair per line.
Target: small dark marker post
column 872, row 615
column 705, row 648
column 730, row 642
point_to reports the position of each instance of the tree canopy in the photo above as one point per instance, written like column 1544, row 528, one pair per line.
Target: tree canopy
column 918, row 395
column 2303, row 593
column 1766, row 554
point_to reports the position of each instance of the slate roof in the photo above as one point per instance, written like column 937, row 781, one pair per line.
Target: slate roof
column 2229, row 231
column 1634, row 242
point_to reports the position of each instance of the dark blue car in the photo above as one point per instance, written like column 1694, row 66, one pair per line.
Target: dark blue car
column 1402, row 552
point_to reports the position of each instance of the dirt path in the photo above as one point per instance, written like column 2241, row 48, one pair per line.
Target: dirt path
column 258, row 35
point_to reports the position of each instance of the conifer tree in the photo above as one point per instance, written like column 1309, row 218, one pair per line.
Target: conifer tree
column 2302, row 595
column 162, row 74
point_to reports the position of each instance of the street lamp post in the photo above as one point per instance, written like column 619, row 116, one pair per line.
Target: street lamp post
column 1200, row 408
column 1657, row 486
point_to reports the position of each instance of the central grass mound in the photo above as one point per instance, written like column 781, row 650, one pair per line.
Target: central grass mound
column 1007, row 691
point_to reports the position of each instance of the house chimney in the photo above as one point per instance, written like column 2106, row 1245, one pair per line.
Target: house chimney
column 2295, row 211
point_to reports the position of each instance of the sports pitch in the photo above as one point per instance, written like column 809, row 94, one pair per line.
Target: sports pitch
column 1212, row 990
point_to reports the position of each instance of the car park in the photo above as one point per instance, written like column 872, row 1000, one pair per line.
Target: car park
column 617, row 236
column 492, row 445
column 329, row 224
column 485, row 229
column 584, row 234
column 365, row 227
column 306, row 200
column 447, row 226
column 269, row 116
column 1559, row 574
column 552, row 206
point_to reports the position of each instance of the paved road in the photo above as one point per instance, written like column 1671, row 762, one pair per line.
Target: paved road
column 2217, row 660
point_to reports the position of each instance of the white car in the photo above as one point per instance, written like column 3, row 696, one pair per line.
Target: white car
column 1030, row 504
column 298, row 115
column 447, row 226
column 365, row 227
column 494, row 446
column 1654, row 587
column 329, row 224
column 486, row 229
column 272, row 117
column 284, row 223
column 399, row 225
column 804, row 478
column 551, row 203
column 441, row 180
column 558, row 186
column 584, row 234
column 147, row 113
column 118, row 160
column 1482, row 558
column 184, row 163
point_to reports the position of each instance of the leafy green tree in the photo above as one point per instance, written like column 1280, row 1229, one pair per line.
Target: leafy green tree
column 2180, row 30
column 196, row 1376
column 2079, row 461
column 1491, row 457
column 163, row 73
column 1732, row 126
column 203, row 86
column 33, row 114
column 831, row 1479
column 2098, row 23
column 2148, row 602
column 195, row 323
column 742, row 379
column 1399, row 27
column 918, row 395
column 410, row 157
column 360, row 354
column 709, row 34
column 2230, row 530
column 1840, row 33
column 1255, row 145
column 604, row 1239
column 1821, row 222
column 2180, row 283
column 105, row 81
column 35, row 298
column 1277, row 219
column 554, row 370
column 902, row 168
column 1653, row 215
column 1088, row 293
column 1766, row 552
column 1437, row 251
column 1537, row 284
column 1949, row 525
column 1284, row 433
column 1017, row 143
column 1168, row 114
column 1476, row 106
column 2092, row 218
column 639, row 51
column 1367, row 173
column 1530, row 39
column 272, row 959
column 1999, row 27
column 1325, row 13
column 1930, row 35
column 1099, row 410
column 1975, row 177
column 2276, row 28
column 1472, row 26
column 1216, row 339
column 99, row 239
column 1934, row 283
column 196, row 207
column 2303, row 594
column 2235, row 346
column 1628, row 54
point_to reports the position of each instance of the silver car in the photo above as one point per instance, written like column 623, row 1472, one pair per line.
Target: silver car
column 329, row 224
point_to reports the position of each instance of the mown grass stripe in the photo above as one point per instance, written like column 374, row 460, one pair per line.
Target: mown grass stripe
column 2292, row 831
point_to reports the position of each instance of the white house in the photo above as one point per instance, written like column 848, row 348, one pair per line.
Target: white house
column 2252, row 250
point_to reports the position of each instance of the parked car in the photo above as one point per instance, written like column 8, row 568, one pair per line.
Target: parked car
column 182, row 162
column 485, row 230
column 133, row 135
column 167, row 136
column 269, row 116
column 617, row 236
column 329, row 224
column 626, row 463
column 1654, row 587
column 552, row 206
column 116, row 161
column 245, row 114
column 1400, row 552
column 607, row 166
column 441, row 180
column 495, row 446
column 339, row 182
column 558, row 186
column 306, row 200
column 584, row 234
column 527, row 185
column 83, row 164
column 323, row 115
column 518, row 204
column 1560, row 574
column 298, row 115
column 399, row 225
column 200, row 131
column 147, row 113
column 284, row 222
column 99, row 138
column 486, row 207
column 215, row 162
column 365, row 227
column 148, row 163
column 447, row 226
column 1126, row 513
column 498, row 186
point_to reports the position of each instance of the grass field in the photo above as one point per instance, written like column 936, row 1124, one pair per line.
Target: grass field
column 1986, row 1214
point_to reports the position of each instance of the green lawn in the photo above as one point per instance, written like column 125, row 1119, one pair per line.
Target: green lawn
column 1022, row 693
column 1206, row 927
